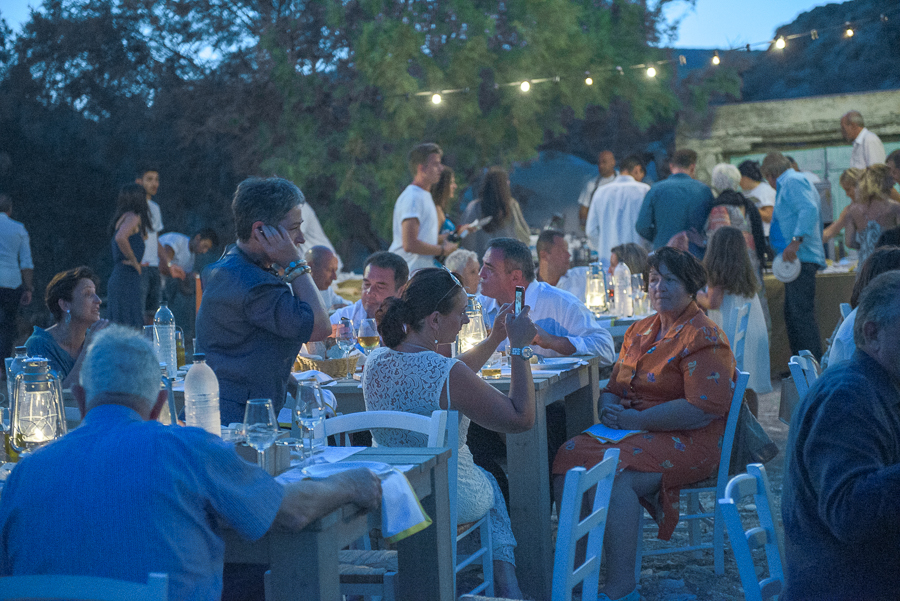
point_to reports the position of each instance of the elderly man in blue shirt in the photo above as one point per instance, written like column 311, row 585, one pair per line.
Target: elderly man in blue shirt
column 123, row 496
column 796, row 234
column 253, row 321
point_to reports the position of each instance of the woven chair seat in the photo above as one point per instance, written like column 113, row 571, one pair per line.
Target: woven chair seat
column 362, row 567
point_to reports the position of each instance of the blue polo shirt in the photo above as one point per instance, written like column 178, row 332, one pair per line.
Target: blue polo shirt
column 796, row 213
column 120, row 497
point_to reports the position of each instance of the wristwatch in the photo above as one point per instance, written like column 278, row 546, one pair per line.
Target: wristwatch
column 525, row 352
column 797, row 239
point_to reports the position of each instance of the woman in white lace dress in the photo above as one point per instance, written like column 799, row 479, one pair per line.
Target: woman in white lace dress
column 873, row 212
column 409, row 375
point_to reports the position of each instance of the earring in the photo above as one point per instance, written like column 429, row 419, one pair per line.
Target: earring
column 68, row 316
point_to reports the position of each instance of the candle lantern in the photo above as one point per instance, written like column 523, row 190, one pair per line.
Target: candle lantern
column 38, row 415
column 475, row 331
column 595, row 293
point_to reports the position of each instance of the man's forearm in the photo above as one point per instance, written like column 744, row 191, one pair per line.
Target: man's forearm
column 28, row 279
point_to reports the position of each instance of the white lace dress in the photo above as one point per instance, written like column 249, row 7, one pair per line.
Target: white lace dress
column 397, row 381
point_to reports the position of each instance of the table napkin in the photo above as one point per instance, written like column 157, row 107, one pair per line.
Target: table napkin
column 401, row 513
column 312, row 374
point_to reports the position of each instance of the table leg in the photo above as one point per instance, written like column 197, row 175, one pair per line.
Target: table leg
column 305, row 567
column 425, row 562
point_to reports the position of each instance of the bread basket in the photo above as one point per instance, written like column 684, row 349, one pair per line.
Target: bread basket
column 336, row 368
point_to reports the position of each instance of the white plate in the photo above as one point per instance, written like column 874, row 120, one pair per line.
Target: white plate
column 559, row 363
column 785, row 271
column 324, row 470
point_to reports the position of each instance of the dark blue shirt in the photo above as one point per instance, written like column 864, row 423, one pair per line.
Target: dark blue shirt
column 120, row 497
column 251, row 327
column 841, row 498
column 673, row 205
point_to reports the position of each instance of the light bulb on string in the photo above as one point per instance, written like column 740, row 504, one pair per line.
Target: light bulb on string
column 651, row 72
column 715, row 59
column 848, row 32
column 588, row 81
column 780, row 43
column 436, row 99
column 525, row 86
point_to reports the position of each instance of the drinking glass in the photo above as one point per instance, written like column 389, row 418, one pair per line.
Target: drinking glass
column 260, row 427
column 493, row 366
column 368, row 335
column 309, row 415
column 346, row 340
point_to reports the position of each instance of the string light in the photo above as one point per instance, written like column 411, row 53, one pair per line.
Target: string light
column 436, row 99
column 849, row 31
column 525, row 86
column 588, row 81
column 651, row 72
column 780, row 43
column 715, row 59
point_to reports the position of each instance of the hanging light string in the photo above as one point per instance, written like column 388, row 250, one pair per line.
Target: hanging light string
column 651, row 69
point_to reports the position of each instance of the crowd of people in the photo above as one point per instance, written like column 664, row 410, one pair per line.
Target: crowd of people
column 702, row 250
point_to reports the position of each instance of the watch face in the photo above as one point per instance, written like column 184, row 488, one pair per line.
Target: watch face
column 527, row 352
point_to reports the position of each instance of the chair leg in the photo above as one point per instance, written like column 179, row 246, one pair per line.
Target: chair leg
column 487, row 560
column 639, row 555
column 694, row 535
column 718, row 541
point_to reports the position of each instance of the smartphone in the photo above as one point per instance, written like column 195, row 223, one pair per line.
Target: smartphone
column 520, row 299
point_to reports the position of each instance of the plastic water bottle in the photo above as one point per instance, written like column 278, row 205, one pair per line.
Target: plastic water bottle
column 164, row 333
column 201, row 397
column 624, row 302
column 14, row 366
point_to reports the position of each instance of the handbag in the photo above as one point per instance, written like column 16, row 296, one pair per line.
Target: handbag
column 751, row 443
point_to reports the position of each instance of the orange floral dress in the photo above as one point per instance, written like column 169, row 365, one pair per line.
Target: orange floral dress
column 692, row 361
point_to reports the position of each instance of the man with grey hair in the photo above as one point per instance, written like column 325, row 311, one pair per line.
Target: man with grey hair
column 796, row 234
column 841, row 499
column 867, row 147
column 324, row 265
column 254, row 318
column 123, row 495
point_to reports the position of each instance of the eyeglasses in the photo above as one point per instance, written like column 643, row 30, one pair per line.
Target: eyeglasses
column 452, row 288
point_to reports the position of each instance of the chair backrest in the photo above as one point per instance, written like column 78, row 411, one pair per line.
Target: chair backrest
column 572, row 528
column 740, row 318
column 84, row 588
column 766, row 536
column 434, row 427
column 804, row 371
column 740, row 386
column 846, row 309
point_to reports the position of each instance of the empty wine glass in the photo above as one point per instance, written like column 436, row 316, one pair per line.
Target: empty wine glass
column 309, row 415
column 260, row 427
column 368, row 335
column 345, row 339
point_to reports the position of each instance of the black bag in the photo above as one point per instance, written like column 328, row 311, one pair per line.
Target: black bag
column 751, row 443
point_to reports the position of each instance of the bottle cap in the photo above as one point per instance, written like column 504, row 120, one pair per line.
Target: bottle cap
column 199, row 357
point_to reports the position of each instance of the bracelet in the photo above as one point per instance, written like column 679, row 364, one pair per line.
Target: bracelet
column 294, row 270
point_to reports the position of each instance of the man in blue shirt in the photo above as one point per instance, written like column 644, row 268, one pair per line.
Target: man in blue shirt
column 796, row 234
column 252, row 322
column 841, row 497
column 123, row 496
column 677, row 204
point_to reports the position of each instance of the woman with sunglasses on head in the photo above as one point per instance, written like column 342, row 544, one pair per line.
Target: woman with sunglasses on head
column 407, row 374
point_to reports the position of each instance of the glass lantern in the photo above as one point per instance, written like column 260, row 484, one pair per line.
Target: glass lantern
column 38, row 415
column 475, row 331
column 595, row 293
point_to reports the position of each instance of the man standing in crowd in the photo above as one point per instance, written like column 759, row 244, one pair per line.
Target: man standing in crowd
column 176, row 265
column 16, row 273
column 415, row 222
column 252, row 322
column 759, row 191
column 553, row 264
column 151, row 283
column 606, row 165
column 677, row 205
column 796, row 234
column 383, row 276
column 841, row 498
column 867, row 147
column 324, row 265
column 615, row 209
column 123, row 496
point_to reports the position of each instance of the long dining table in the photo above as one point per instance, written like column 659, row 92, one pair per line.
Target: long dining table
column 304, row 564
column 527, row 461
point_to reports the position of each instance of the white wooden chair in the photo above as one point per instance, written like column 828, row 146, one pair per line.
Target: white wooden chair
column 846, row 309
column 442, row 429
column 804, row 371
column 764, row 536
column 84, row 588
column 740, row 319
column 572, row 528
column 691, row 492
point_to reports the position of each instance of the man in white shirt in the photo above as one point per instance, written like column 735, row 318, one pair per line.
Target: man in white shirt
column 177, row 253
column 151, row 283
column 564, row 325
column 383, row 276
column 16, row 271
column 615, row 209
column 867, row 147
column 553, row 264
column 415, row 222
column 606, row 165
column 324, row 265
column 759, row 191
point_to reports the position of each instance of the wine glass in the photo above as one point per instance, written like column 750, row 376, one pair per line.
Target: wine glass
column 368, row 335
column 346, row 340
column 260, row 427
column 309, row 415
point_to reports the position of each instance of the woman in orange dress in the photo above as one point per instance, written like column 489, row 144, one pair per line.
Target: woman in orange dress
column 673, row 379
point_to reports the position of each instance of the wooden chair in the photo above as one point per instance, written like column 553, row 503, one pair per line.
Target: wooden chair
column 740, row 319
column 804, row 370
column 764, row 536
column 691, row 492
column 84, row 588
